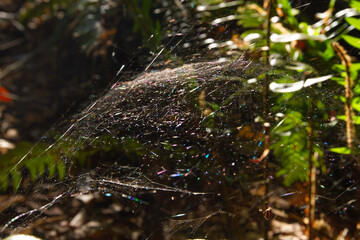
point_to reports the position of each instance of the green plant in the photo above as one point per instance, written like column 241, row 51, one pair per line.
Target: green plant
column 349, row 80
column 36, row 159
column 297, row 55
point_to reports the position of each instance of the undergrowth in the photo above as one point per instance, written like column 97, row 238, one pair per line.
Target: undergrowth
column 303, row 72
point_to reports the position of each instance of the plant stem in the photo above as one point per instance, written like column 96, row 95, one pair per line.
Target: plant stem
column 267, row 6
column 349, row 112
column 312, row 178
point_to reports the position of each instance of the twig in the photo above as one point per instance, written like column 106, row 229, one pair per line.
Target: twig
column 312, row 178
column 267, row 6
column 349, row 112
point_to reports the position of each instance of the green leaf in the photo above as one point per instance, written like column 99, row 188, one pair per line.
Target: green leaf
column 355, row 67
column 353, row 41
column 341, row 150
column 332, row 4
column 328, row 53
column 40, row 166
column 253, row 22
column 61, row 169
column 356, row 119
column 339, row 80
column 338, row 67
column 356, row 104
column 289, row 12
column 354, row 22
column 4, row 181
column 357, row 89
column 50, row 165
column 355, row 4
column 33, row 171
column 16, row 177
column 214, row 106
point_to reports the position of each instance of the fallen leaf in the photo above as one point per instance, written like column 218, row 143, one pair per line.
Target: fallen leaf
column 5, row 95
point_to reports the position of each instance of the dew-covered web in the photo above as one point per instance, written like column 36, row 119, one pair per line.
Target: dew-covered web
column 164, row 141
column 154, row 135
column 168, row 153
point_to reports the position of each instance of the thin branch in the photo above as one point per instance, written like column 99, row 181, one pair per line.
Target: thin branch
column 312, row 176
column 267, row 6
column 349, row 112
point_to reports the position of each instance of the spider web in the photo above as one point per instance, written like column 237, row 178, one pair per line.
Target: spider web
column 156, row 124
